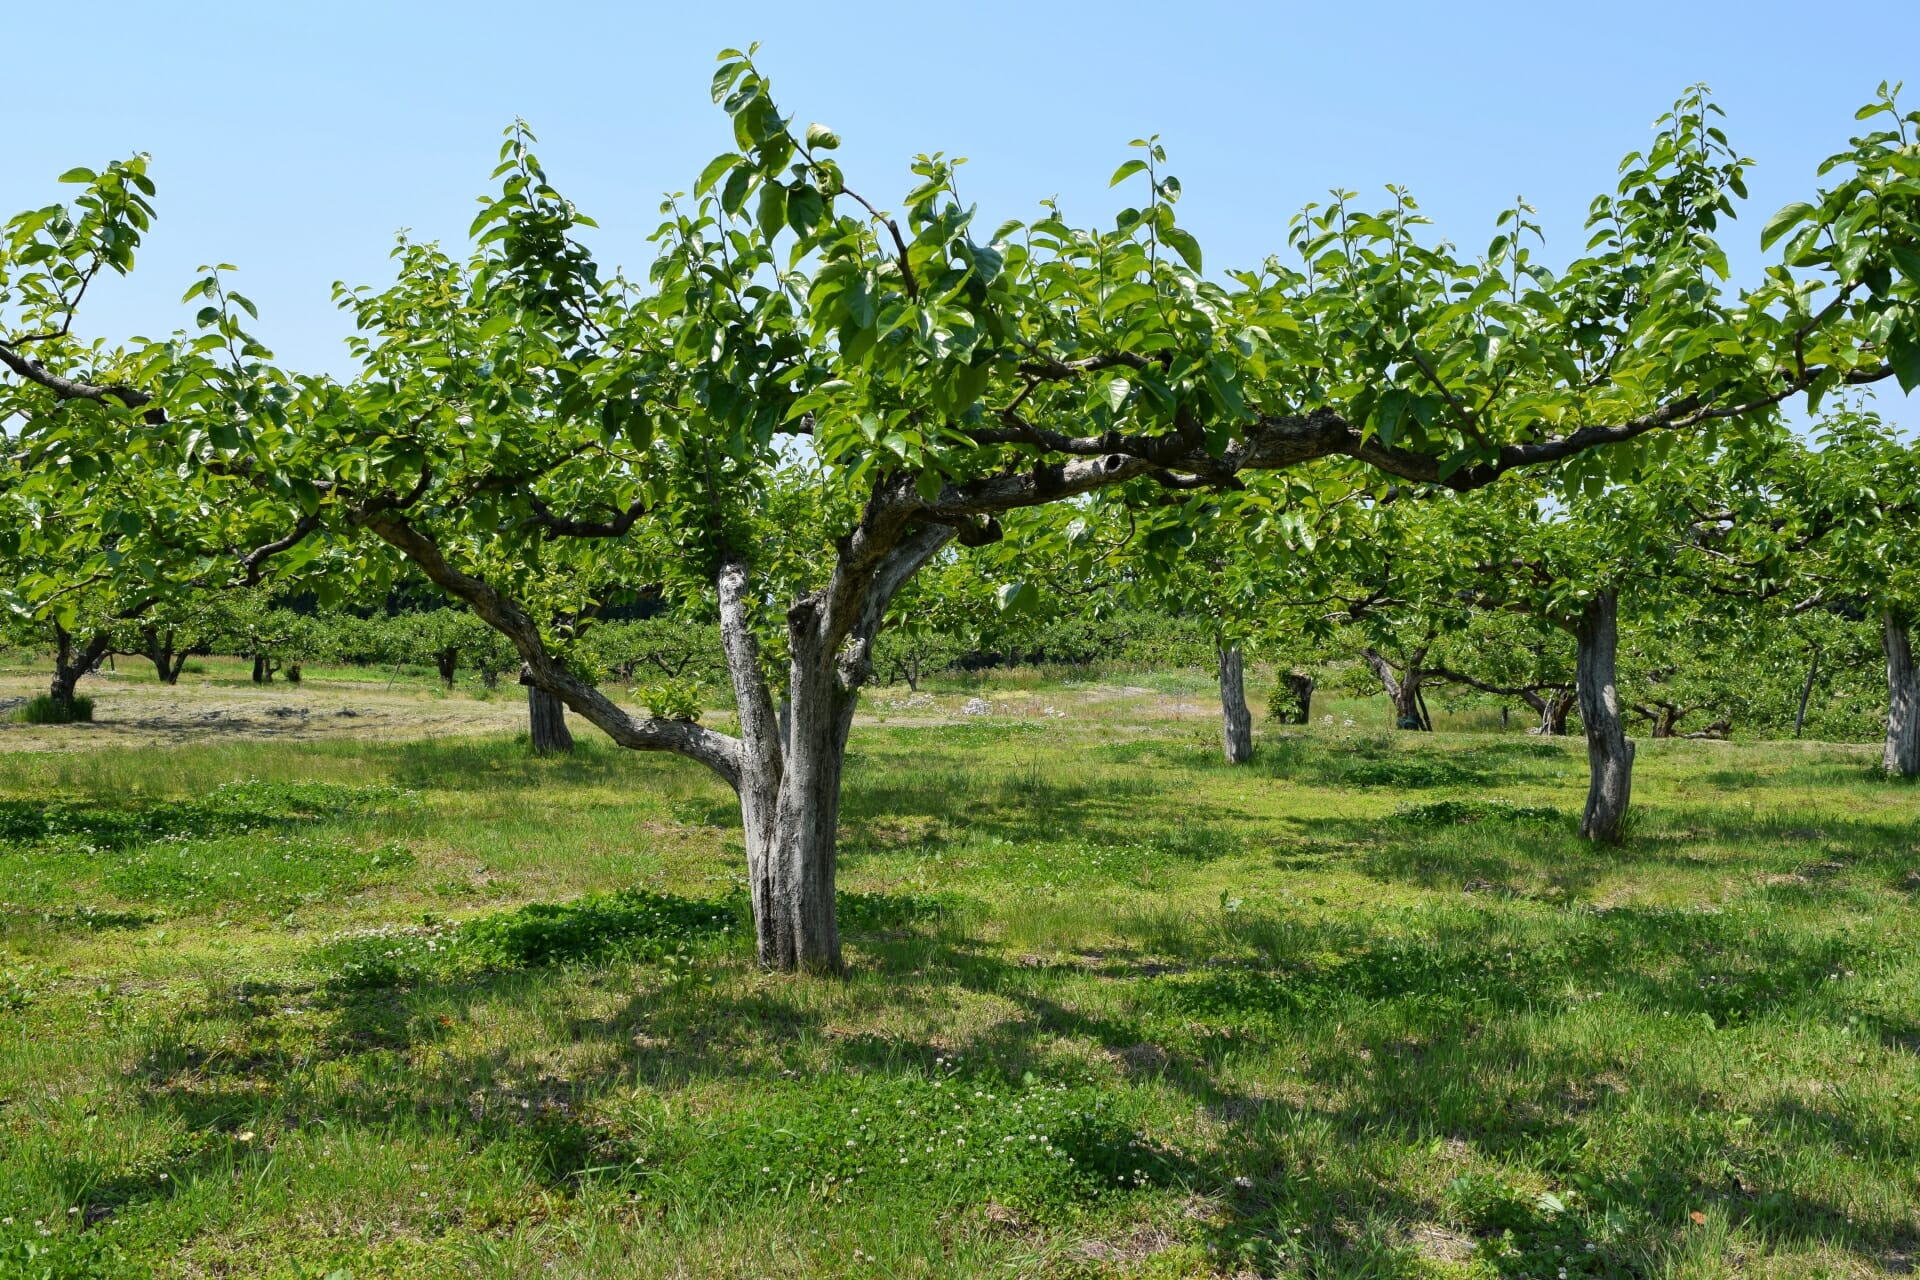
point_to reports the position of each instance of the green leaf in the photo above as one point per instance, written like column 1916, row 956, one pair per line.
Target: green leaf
column 1117, row 392
column 716, row 168
column 723, row 79
column 1126, row 171
column 1016, row 597
column 928, row 484
column 1903, row 353
column 1784, row 221
column 805, row 206
column 81, row 174
column 733, row 197
column 821, row 138
column 772, row 214
column 1908, row 259
column 1183, row 244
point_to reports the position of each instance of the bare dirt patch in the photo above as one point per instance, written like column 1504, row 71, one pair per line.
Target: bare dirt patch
column 130, row 713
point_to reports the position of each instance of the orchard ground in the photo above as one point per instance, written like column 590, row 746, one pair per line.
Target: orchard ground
column 296, row 993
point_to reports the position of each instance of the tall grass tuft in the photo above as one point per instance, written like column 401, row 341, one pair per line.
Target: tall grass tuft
column 44, row 710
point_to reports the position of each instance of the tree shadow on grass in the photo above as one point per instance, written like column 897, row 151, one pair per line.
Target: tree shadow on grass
column 1433, row 1051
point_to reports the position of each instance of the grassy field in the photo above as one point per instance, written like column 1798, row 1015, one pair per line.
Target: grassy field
column 389, row 1007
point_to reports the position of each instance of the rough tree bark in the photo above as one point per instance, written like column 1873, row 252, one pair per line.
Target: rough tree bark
column 1901, row 757
column 1609, row 751
column 1236, row 720
column 546, row 719
column 1402, row 686
column 72, row 661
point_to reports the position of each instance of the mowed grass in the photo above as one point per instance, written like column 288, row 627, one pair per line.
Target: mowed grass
column 1364, row 1008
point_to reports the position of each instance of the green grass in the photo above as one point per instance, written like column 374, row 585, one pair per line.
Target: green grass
column 44, row 710
column 1366, row 1007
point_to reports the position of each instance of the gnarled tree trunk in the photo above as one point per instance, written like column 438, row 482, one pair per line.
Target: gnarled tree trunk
column 1901, row 757
column 1236, row 720
column 1609, row 750
column 546, row 719
column 1402, row 687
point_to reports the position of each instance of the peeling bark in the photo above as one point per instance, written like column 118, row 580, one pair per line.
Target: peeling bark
column 1609, row 750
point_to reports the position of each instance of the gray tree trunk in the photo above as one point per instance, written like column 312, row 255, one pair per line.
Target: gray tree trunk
column 546, row 721
column 1901, row 758
column 1554, row 709
column 1402, row 687
column 1609, row 750
column 1236, row 720
column 788, row 782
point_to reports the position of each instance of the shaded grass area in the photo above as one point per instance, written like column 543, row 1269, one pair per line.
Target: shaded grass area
column 1365, row 1008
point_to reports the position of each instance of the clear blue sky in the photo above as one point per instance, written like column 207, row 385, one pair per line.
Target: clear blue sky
column 294, row 139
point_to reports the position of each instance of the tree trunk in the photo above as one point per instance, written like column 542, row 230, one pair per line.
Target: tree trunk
column 1300, row 689
column 1609, row 750
column 160, row 652
column 1901, row 758
column 1236, row 720
column 1402, row 687
column 70, row 662
column 262, row 669
column 1806, row 692
column 1554, row 709
column 448, row 661
column 788, row 782
column 547, row 722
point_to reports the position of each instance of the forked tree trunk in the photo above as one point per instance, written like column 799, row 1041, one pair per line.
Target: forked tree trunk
column 1609, row 750
column 167, row 662
column 262, row 669
column 787, row 776
column 1901, row 758
column 1236, row 720
column 1300, row 690
column 1402, row 687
